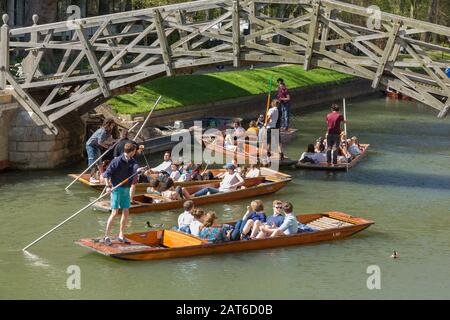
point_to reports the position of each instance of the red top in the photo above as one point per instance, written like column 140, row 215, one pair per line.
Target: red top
column 334, row 120
column 282, row 93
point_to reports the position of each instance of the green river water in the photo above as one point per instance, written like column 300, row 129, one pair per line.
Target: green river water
column 403, row 185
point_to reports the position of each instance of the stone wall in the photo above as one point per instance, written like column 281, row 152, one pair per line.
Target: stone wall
column 31, row 148
column 7, row 112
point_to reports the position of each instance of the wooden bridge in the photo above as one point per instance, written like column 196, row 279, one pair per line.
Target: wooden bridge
column 77, row 64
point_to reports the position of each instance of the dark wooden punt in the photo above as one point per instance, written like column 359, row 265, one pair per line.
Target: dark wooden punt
column 248, row 154
column 165, row 244
column 337, row 167
column 254, row 187
column 141, row 187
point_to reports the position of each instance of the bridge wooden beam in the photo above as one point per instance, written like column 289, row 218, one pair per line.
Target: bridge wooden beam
column 103, row 84
column 31, row 106
column 387, row 53
column 165, row 48
column 312, row 34
column 236, row 34
column 4, row 51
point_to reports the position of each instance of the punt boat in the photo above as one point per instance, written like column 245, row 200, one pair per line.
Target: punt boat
column 248, row 153
column 336, row 167
column 253, row 187
column 142, row 187
column 165, row 244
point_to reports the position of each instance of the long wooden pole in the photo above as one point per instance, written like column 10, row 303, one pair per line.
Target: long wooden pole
column 134, row 139
column 99, row 158
column 345, row 129
column 81, row 210
column 268, row 100
column 148, row 117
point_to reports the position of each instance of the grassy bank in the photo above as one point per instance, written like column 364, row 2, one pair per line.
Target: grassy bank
column 203, row 88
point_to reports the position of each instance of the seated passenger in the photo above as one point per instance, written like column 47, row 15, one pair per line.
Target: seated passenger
column 154, row 187
column 186, row 173
column 230, row 182
column 211, row 233
column 253, row 128
column 274, row 221
column 196, row 172
column 195, row 225
column 288, row 227
column 185, row 219
column 175, row 174
column 312, row 156
column 320, row 145
column 343, row 155
column 229, row 143
column 253, row 172
column 165, row 165
column 168, row 191
column 353, row 148
column 253, row 218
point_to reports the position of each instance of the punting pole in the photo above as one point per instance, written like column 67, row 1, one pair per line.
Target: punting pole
column 134, row 139
column 99, row 158
column 148, row 117
column 345, row 127
column 81, row 210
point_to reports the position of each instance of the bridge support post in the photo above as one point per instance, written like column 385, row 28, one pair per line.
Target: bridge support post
column 312, row 34
column 166, row 52
column 4, row 51
column 236, row 35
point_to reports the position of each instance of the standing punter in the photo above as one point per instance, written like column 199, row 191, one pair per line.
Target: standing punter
column 121, row 168
column 334, row 120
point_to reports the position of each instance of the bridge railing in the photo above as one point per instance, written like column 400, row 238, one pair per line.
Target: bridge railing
column 76, row 64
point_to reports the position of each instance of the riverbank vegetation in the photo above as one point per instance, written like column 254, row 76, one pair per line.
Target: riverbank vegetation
column 203, row 88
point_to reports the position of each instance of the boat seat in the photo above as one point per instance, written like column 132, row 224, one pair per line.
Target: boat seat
column 324, row 223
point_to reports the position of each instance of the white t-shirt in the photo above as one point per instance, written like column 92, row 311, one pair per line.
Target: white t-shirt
column 227, row 181
column 317, row 156
column 195, row 227
column 239, row 131
column 164, row 166
column 253, row 173
column 185, row 219
column 272, row 116
column 175, row 175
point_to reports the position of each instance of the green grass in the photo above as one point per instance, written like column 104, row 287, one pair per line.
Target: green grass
column 203, row 88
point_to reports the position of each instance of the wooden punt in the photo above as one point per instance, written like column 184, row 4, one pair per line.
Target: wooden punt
column 249, row 153
column 142, row 187
column 165, row 244
column 337, row 167
column 254, row 187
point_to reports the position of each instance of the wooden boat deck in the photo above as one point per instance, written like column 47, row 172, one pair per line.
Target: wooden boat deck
column 337, row 167
column 164, row 244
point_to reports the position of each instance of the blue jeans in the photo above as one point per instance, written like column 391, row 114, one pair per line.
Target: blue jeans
column 93, row 154
column 204, row 191
column 285, row 109
column 237, row 229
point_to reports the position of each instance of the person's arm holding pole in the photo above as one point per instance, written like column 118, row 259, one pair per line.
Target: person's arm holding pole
column 96, row 161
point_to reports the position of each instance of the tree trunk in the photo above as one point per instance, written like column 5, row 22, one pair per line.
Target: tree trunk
column 103, row 7
column 432, row 16
column 2, row 8
column 45, row 9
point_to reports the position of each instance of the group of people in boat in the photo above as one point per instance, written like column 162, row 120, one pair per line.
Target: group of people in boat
column 335, row 147
column 255, row 224
column 162, row 183
column 277, row 117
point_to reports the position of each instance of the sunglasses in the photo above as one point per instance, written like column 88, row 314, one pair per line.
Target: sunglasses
column 278, row 207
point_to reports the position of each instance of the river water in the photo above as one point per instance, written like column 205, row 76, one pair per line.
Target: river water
column 403, row 185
